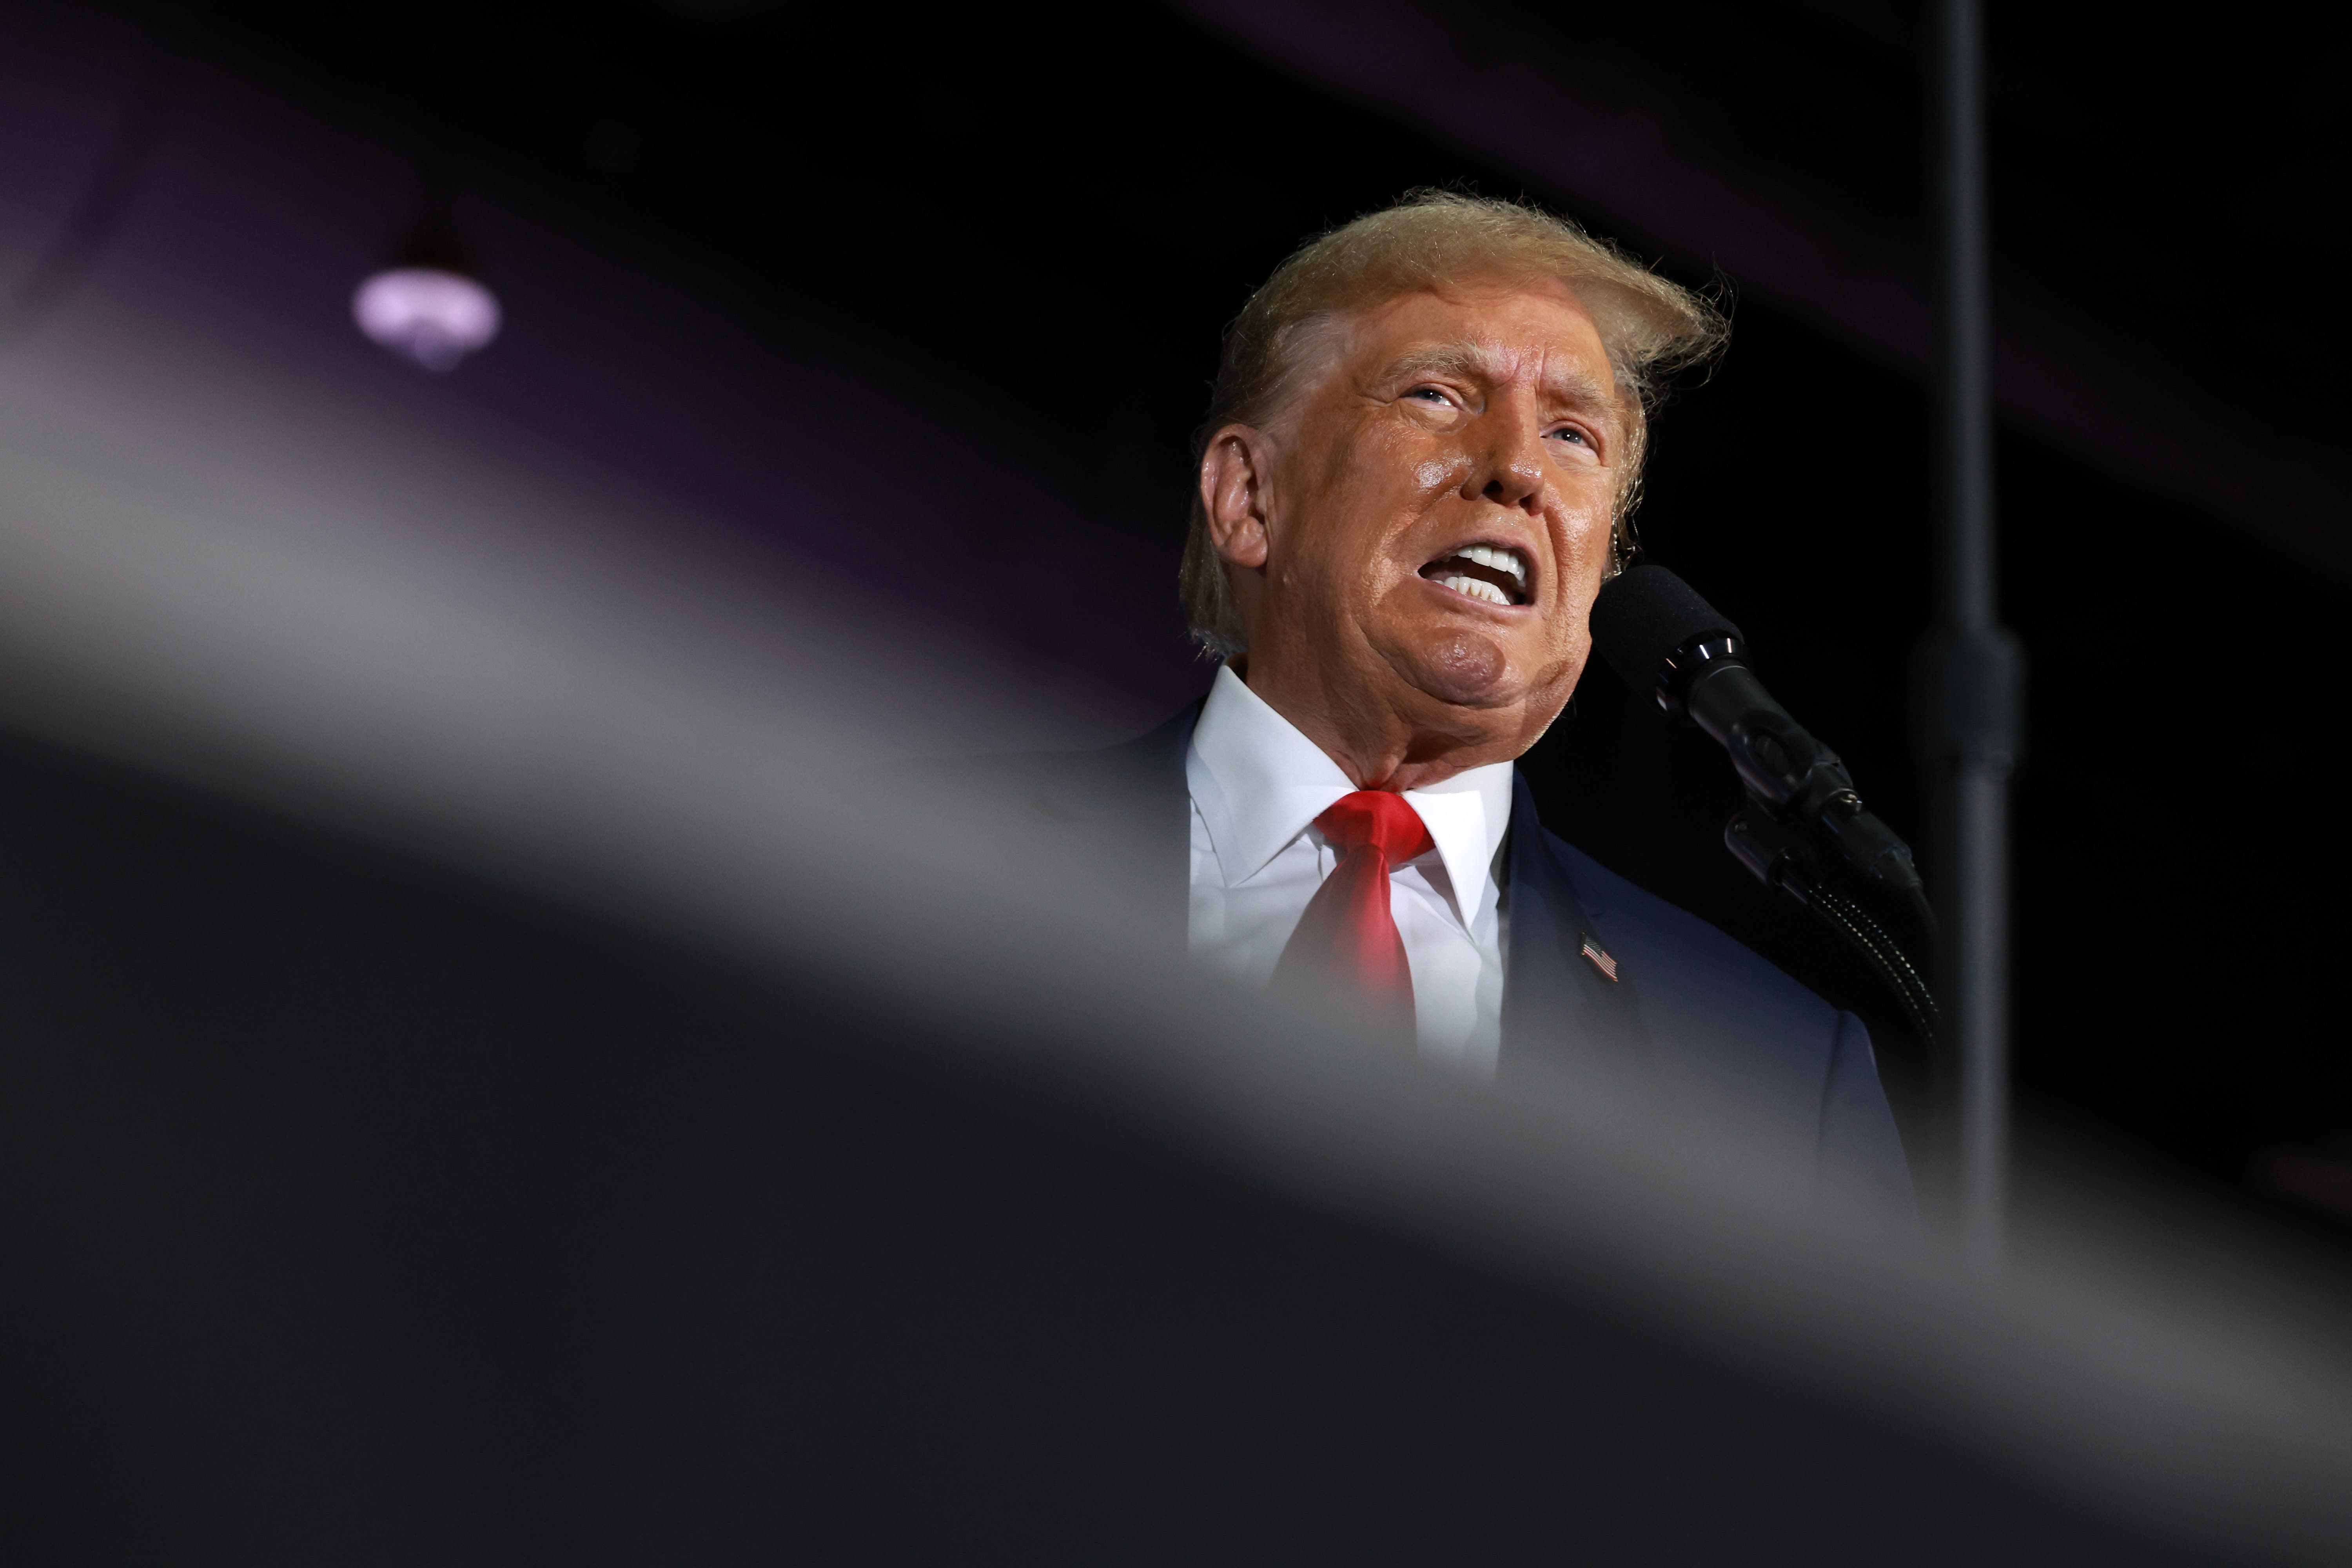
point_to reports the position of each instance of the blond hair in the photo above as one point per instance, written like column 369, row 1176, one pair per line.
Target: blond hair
column 1428, row 242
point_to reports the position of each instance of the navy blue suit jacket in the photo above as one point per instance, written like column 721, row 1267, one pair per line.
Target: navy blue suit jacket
column 1688, row 1003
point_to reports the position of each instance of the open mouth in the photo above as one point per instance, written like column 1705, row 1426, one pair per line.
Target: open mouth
column 1493, row 575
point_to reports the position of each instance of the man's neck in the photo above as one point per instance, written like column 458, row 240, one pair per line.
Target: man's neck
column 1379, row 747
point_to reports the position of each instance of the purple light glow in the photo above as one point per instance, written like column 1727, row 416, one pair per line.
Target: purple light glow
column 430, row 318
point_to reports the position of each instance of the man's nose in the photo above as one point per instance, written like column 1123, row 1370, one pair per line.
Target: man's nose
column 1510, row 469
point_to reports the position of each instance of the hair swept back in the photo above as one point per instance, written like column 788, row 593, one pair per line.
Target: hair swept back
column 1431, row 240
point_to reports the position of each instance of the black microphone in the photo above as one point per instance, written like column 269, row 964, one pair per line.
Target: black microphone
column 1673, row 646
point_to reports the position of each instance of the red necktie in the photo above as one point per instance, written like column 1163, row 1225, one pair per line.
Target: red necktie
column 1347, row 939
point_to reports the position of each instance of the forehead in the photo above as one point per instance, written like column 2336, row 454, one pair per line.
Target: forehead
column 1539, row 332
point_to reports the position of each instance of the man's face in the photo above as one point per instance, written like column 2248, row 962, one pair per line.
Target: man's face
column 1435, row 521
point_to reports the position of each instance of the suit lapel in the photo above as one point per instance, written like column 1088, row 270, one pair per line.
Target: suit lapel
column 1561, row 1003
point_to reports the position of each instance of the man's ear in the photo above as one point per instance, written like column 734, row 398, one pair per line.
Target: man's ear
column 1234, row 471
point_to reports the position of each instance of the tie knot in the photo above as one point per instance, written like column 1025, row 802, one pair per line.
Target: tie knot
column 1378, row 818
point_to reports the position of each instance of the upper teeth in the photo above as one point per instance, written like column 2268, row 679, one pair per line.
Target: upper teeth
column 1500, row 559
column 1477, row 588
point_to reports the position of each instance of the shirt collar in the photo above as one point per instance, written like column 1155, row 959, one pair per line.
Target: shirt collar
column 1273, row 782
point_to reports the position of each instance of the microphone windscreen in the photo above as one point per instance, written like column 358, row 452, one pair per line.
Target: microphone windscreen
column 1642, row 615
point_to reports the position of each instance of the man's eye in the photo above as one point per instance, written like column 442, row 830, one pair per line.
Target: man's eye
column 1572, row 434
column 1430, row 392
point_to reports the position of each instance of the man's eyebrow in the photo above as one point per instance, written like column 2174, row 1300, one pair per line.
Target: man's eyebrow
column 1477, row 361
column 1473, row 360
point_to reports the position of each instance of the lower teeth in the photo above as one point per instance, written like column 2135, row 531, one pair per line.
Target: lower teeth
column 1475, row 589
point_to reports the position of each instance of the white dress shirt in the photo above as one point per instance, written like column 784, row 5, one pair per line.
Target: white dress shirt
column 1258, row 857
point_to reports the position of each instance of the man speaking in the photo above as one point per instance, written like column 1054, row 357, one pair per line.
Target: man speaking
column 1424, row 441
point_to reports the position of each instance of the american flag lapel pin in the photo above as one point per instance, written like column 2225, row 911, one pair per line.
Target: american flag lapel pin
column 1597, row 955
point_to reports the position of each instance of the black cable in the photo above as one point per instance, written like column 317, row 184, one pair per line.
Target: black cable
column 1851, row 921
column 1899, row 961
column 1776, row 852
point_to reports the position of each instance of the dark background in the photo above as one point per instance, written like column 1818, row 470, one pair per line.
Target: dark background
column 1027, row 232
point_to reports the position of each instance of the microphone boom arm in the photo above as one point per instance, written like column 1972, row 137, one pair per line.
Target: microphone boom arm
column 1664, row 640
column 1799, row 794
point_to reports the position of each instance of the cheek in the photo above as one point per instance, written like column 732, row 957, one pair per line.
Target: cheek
column 1383, row 490
column 1582, row 541
column 1400, row 468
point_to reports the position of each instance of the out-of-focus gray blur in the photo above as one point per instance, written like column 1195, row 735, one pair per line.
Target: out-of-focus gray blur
column 506, row 1060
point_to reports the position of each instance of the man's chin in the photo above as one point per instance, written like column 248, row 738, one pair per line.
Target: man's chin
column 1459, row 667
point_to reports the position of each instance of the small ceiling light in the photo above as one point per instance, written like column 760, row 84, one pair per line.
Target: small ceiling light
column 429, row 307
